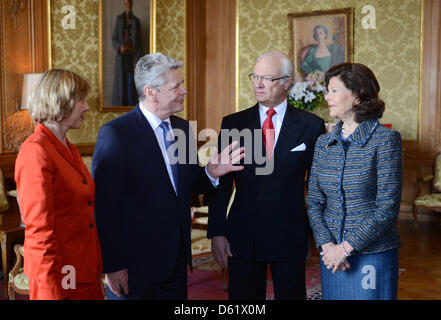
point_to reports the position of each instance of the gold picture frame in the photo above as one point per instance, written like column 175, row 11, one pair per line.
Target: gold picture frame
column 320, row 39
column 108, row 10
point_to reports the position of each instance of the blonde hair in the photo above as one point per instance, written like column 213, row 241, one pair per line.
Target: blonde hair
column 54, row 96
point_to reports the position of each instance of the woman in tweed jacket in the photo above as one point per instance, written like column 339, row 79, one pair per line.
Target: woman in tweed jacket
column 355, row 191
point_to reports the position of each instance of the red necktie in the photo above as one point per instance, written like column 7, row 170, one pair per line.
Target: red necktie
column 268, row 132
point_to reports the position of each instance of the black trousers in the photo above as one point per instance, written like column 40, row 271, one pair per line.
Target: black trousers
column 247, row 279
column 174, row 288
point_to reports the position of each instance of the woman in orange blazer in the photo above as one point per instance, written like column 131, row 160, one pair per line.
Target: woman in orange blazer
column 62, row 254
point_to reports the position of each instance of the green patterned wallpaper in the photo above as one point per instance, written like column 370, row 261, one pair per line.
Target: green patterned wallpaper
column 77, row 50
column 170, row 35
column 392, row 50
column 389, row 50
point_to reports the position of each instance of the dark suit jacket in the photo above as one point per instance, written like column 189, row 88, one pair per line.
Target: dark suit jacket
column 117, row 42
column 267, row 220
column 141, row 221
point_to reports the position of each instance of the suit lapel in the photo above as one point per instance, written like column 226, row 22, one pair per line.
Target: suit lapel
column 290, row 135
column 150, row 141
column 253, row 123
column 69, row 155
column 253, row 118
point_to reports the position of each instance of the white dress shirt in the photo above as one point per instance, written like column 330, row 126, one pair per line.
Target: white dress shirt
column 277, row 118
column 155, row 123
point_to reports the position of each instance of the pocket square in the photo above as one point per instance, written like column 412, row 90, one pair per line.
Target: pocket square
column 301, row 147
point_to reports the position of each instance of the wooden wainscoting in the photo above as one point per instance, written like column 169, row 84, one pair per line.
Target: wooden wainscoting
column 24, row 42
column 211, row 82
column 211, row 55
column 418, row 155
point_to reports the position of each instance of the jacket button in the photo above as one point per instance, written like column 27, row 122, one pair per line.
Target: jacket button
column 91, row 226
column 89, row 203
column 84, row 181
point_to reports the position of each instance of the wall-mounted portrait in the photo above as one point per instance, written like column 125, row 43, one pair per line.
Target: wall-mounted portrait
column 320, row 40
column 124, row 37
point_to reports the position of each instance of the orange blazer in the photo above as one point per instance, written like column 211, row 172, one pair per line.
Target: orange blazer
column 56, row 194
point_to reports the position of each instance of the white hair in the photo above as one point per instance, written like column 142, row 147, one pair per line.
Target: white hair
column 287, row 68
column 151, row 70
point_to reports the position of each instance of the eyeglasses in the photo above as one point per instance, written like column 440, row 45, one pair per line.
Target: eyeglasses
column 266, row 80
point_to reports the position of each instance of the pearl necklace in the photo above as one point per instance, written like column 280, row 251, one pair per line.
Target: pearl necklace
column 345, row 132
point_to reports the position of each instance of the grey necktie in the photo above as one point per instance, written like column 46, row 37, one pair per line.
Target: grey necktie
column 167, row 144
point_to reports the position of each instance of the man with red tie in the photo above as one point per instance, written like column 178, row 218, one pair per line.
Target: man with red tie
column 267, row 223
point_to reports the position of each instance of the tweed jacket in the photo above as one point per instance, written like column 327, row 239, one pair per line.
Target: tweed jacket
column 354, row 188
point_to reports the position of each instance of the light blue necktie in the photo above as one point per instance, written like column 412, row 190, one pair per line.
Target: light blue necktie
column 167, row 144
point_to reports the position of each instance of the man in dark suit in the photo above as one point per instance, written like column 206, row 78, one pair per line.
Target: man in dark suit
column 267, row 222
column 126, row 41
column 143, row 188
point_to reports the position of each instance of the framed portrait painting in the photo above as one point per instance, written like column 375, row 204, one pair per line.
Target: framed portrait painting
column 124, row 36
column 320, row 40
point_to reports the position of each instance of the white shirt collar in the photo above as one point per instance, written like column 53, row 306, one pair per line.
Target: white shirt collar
column 154, row 121
column 280, row 110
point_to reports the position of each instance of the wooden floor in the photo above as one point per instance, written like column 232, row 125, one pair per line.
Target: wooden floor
column 420, row 256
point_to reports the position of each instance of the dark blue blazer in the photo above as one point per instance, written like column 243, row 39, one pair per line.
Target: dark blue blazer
column 267, row 220
column 117, row 41
column 141, row 221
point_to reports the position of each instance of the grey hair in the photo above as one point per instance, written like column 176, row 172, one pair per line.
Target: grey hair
column 287, row 68
column 151, row 70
